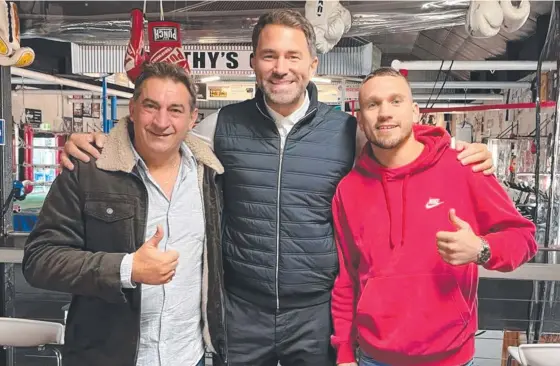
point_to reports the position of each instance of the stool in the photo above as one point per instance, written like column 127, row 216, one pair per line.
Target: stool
column 32, row 333
column 538, row 354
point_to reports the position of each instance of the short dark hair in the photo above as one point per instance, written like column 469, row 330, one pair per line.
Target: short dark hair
column 384, row 71
column 289, row 18
column 164, row 70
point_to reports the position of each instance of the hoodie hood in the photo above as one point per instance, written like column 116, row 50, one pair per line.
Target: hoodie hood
column 435, row 140
column 395, row 181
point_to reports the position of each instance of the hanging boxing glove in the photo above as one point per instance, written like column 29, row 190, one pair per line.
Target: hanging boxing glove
column 515, row 15
column 11, row 54
column 165, row 44
column 484, row 18
column 330, row 21
column 135, row 53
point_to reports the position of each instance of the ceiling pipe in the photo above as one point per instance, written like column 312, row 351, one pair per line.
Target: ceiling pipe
column 24, row 81
column 486, row 107
column 470, row 85
column 67, row 82
column 472, row 65
column 458, row 96
column 55, row 92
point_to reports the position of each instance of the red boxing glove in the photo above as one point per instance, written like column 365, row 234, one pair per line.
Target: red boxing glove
column 165, row 44
column 135, row 54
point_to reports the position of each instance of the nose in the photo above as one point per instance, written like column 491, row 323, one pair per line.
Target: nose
column 384, row 111
column 281, row 67
column 161, row 119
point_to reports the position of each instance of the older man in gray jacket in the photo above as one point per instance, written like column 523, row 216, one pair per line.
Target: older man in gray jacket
column 135, row 238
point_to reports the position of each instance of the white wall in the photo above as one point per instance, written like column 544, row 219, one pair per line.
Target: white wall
column 54, row 108
column 493, row 123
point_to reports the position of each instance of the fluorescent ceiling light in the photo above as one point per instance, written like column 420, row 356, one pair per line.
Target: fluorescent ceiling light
column 209, row 79
column 321, row 80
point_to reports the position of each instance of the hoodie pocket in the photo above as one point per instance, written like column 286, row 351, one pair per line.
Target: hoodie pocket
column 415, row 315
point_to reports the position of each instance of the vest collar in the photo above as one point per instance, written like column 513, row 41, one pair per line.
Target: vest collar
column 312, row 93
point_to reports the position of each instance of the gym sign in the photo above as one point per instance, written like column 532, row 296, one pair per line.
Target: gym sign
column 219, row 61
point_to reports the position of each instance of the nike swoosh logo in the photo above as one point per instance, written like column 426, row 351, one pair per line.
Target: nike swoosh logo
column 432, row 204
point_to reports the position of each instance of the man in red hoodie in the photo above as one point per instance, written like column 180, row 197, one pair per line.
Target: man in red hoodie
column 412, row 226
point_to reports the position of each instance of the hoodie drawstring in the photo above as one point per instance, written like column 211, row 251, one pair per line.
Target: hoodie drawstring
column 384, row 184
column 388, row 203
column 404, row 191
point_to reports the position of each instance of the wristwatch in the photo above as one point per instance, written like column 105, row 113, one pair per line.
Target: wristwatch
column 484, row 254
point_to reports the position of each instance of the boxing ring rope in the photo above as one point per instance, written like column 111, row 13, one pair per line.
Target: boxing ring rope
column 488, row 107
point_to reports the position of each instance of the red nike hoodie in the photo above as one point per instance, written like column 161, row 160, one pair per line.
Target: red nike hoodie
column 394, row 295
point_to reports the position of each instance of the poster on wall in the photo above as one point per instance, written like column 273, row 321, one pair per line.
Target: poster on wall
column 78, row 110
column 95, row 107
column 86, row 109
column 34, row 117
column 67, row 124
column 234, row 92
column 200, row 91
column 199, row 118
column 328, row 93
column 78, row 125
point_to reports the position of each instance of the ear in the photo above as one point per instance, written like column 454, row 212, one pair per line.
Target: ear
column 359, row 117
column 415, row 113
column 193, row 117
column 131, row 107
column 314, row 65
column 251, row 61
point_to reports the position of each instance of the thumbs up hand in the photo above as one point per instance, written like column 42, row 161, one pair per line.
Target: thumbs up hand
column 152, row 266
column 461, row 246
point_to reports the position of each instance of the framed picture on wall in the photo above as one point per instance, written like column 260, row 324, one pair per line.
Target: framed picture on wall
column 78, row 110
column 95, row 107
column 199, row 118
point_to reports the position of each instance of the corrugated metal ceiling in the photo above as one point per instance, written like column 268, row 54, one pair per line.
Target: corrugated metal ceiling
column 401, row 29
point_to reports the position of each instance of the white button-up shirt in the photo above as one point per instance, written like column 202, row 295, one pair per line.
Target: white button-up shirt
column 170, row 325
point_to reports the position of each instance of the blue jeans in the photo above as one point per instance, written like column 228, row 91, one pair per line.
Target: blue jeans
column 201, row 362
column 366, row 361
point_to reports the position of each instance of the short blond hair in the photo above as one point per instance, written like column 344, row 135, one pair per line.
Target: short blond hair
column 384, row 71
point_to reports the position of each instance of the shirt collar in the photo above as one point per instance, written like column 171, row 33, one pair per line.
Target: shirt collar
column 293, row 118
column 187, row 157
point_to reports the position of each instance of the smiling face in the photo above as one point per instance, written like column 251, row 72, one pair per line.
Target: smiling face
column 162, row 116
column 387, row 111
column 283, row 65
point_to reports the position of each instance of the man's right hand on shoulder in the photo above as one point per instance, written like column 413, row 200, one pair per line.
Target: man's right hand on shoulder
column 80, row 142
column 151, row 266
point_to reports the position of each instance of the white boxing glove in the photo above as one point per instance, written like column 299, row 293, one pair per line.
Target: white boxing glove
column 11, row 54
column 339, row 22
column 484, row 18
column 515, row 15
column 330, row 21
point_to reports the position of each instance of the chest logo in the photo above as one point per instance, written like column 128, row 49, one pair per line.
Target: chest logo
column 433, row 202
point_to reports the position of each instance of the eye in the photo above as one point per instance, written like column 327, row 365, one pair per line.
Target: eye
column 149, row 106
column 176, row 111
column 397, row 101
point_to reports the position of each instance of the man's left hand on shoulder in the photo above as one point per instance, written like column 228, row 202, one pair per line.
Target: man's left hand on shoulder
column 461, row 246
column 477, row 154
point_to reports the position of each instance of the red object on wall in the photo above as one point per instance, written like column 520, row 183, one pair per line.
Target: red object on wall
column 60, row 141
column 404, row 72
column 28, row 153
column 14, row 154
